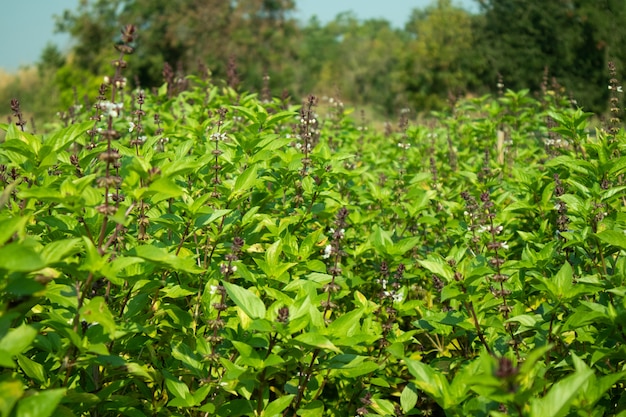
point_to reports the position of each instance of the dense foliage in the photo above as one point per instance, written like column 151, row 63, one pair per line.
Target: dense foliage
column 198, row 251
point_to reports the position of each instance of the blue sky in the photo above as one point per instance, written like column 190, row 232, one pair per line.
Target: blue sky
column 27, row 25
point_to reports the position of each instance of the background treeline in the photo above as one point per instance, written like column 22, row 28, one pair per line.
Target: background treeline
column 443, row 51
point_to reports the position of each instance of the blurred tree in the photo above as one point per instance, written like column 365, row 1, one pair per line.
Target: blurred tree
column 319, row 46
column 185, row 33
column 571, row 38
column 51, row 59
column 437, row 57
column 362, row 62
column 93, row 26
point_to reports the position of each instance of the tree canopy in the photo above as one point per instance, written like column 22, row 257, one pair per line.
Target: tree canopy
column 443, row 50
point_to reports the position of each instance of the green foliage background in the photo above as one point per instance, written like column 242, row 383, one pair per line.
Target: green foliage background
column 443, row 51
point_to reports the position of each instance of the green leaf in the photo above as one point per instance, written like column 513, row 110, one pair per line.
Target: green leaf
column 162, row 257
column 96, row 311
column 381, row 240
column 235, row 408
column 18, row 257
column 383, row 407
column 439, row 266
column 316, row 340
column 144, row 372
column 190, row 359
column 245, row 180
column 429, row 380
column 563, row 280
column 16, row 341
column 406, row 245
column 62, row 138
column 525, row 319
column 11, row 225
column 279, row 117
column 248, row 356
column 272, row 254
column 209, row 218
column 176, row 291
column 94, row 261
column 40, row 404
column 31, row 368
column 408, row 398
column 201, row 393
column 180, row 391
column 352, row 366
column 346, row 324
column 250, row 115
column 180, row 166
column 560, row 397
column 613, row 237
column 10, row 392
column 276, row 407
column 165, row 188
column 246, row 300
column 60, row 250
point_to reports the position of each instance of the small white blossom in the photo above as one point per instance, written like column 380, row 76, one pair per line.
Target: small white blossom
column 121, row 83
column 216, row 137
column 131, row 127
column 328, row 250
column 213, row 289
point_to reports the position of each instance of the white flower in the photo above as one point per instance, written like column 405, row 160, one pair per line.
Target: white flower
column 397, row 297
column 121, row 83
column 131, row 127
column 504, row 245
column 213, row 289
column 107, row 80
column 328, row 250
column 216, row 137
